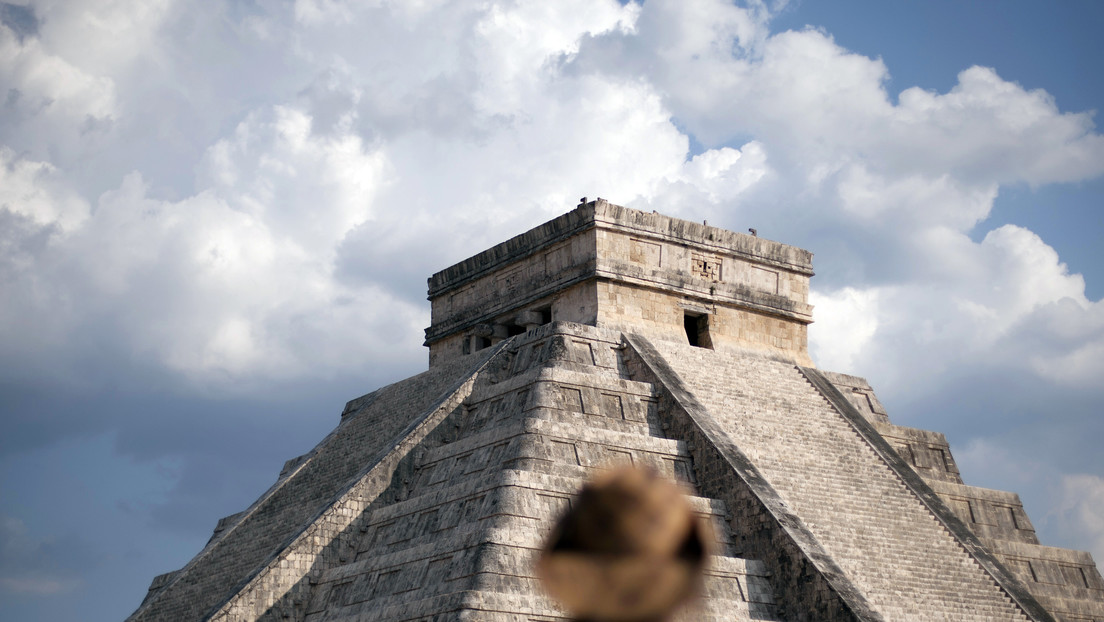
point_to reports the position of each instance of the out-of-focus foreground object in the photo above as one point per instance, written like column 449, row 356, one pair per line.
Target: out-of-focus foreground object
column 630, row 549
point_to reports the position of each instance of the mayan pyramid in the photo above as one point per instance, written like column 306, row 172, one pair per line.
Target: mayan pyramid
column 606, row 336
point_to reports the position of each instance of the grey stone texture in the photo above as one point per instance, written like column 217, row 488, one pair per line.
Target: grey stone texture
column 607, row 266
column 604, row 337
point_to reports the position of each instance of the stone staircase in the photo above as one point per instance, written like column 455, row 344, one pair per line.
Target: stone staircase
column 903, row 560
column 257, row 559
column 456, row 535
column 813, row 520
column 1066, row 582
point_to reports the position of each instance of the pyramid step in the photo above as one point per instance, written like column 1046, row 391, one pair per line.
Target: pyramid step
column 559, row 425
column 882, row 536
column 591, row 422
column 554, row 445
column 525, row 495
column 397, row 593
column 399, row 608
column 392, row 591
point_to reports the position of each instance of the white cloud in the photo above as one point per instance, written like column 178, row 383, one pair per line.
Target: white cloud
column 307, row 188
column 63, row 87
column 234, row 195
column 1005, row 303
column 846, row 321
column 880, row 200
column 1081, row 510
column 406, row 137
column 102, row 36
column 322, row 12
column 821, row 109
column 230, row 285
column 237, row 281
column 36, row 82
column 988, row 128
column 514, row 44
column 38, row 192
column 726, row 173
column 1036, row 274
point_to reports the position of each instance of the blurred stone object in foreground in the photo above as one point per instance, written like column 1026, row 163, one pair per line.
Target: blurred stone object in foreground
column 630, row 549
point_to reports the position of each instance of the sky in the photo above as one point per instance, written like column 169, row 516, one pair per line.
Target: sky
column 217, row 218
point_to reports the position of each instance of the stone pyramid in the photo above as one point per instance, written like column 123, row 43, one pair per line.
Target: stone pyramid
column 611, row 336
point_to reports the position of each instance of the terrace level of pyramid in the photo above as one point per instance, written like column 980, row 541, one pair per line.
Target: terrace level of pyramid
column 611, row 336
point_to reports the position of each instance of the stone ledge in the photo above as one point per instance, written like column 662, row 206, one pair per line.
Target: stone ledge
column 603, row 214
column 793, row 550
column 958, row 530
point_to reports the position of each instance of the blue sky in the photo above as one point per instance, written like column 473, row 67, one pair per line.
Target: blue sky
column 216, row 221
column 1048, row 47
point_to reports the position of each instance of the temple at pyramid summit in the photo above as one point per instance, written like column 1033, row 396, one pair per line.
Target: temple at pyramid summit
column 612, row 336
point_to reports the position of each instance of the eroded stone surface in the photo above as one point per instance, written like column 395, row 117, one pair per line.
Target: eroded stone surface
column 612, row 267
column 571, row 348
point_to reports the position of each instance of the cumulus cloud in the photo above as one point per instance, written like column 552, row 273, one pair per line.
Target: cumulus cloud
column 445, row 127
column 1006, row 303
column 228, row 196
column 37, row 192
column 988, row 128
column 835, row 131
column 102, row 36
column 892, row 189
column 906, row 181
column 846, row 322
column 39, row 86
column 1081, row 510
column 830, row 107
column 232, row 283
column 66, row 73
column 306, row 188
column 254, row 274
column 1071, row 341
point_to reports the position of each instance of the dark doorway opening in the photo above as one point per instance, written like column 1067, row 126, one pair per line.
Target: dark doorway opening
column 697, row 330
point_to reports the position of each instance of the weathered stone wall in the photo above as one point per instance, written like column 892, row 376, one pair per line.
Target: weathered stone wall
column 696, row 264
column 883, row 534
column 1066, row 583
column 456, row 535
column 654, row 225
column 576, row 303
column 660, row 314
column 861, row 395
column 808, row 584
column 431, row 497
column 372, row 428
column 988, row 513
column 605, row 265
column 501, row 291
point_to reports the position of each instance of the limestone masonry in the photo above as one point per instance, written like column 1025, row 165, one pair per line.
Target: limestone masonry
column 611, row 336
